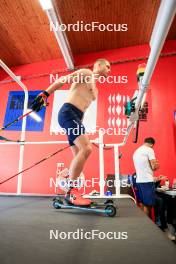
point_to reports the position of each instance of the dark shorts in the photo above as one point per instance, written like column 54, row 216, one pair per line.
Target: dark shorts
column 146, row 193
column 69, row 118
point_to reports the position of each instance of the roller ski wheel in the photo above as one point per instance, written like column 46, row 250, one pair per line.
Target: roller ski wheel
column 56, row 204
column 110, row 210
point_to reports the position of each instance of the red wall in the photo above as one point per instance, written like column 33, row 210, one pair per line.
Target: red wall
column 160, row 125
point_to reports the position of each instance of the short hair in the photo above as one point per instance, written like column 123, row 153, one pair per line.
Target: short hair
column 149, row 140
column 101, row 61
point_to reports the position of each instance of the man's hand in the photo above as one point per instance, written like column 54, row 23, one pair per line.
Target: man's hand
column 39, row 101
column 160, row 178
column 163, row 178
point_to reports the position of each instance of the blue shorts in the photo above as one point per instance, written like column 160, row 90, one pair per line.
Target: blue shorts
column 69, row 118
column 146, row 193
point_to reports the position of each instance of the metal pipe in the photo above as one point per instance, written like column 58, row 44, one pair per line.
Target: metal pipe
column 101, row 162
column 165, row 15
column 42, row 142
column 115, row 144
column 22, row 138
column 61, row 39
column 117, row 172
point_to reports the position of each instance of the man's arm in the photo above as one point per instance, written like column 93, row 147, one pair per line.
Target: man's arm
column 152, row 160
column 77, row 77
column 154, row 164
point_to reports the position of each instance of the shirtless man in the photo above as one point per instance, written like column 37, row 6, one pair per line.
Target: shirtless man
column 82, row 92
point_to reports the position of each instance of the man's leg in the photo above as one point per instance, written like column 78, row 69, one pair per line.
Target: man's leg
column 81, row 151
column 74, row 150
column 81, row 154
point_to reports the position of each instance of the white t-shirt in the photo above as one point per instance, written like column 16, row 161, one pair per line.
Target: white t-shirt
column 141, row 159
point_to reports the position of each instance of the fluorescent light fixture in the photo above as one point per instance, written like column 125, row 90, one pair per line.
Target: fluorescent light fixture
column 61, row 38
column 35, row 116
column 46, row 4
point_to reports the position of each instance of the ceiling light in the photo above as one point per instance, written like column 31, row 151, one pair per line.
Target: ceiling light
column 46, row 4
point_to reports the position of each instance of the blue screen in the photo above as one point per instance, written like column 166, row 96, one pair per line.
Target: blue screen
column 14, row 109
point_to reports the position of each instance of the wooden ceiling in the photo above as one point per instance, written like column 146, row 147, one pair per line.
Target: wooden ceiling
column 26, row 36
column 24, row 33
column 138, row 15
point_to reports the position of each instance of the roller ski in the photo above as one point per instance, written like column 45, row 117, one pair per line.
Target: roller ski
column 74, row 200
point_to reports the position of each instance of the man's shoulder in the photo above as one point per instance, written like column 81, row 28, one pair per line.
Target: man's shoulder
column 86, row 71
column 147, row 151
column 139, row 149
column 143, row 149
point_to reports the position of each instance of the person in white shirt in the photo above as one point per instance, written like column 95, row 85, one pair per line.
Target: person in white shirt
column 145, row 163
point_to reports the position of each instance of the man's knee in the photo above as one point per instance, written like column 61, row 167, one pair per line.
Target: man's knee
column 86, row 150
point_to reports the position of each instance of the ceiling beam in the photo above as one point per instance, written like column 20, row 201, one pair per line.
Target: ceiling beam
column 55, row 22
